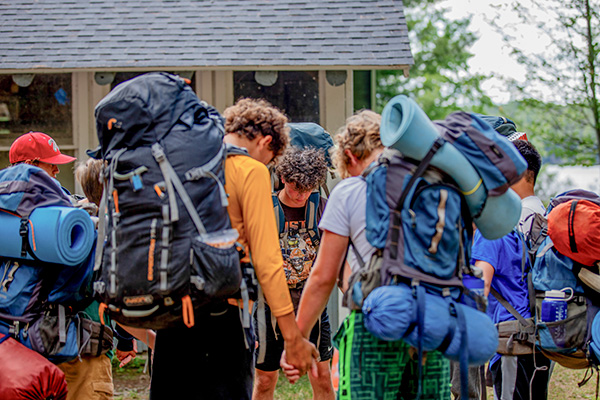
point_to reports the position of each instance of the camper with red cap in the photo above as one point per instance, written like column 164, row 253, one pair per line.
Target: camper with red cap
column 40, row 150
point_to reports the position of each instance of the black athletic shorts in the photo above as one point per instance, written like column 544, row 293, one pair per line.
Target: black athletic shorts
column 275, row 343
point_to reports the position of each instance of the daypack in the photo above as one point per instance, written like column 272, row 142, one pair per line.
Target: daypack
column 309, row 134
column 565, row 341
column 295, row 256
column 167, row 244
column 42, row 283
column 418, row 220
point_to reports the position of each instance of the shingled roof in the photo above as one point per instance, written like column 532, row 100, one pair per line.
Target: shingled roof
column 202, row 34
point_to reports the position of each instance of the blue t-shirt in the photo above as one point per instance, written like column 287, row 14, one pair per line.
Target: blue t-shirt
column 505, row 255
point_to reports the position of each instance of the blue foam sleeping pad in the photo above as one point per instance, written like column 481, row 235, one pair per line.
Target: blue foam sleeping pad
column 61, row 235
column 389, row 312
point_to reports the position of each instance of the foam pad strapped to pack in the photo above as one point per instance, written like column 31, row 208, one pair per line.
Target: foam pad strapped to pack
column 61, row 235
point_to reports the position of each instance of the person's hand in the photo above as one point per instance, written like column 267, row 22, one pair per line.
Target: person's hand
column 291, row 373
column 126, row 356
column 302, row 355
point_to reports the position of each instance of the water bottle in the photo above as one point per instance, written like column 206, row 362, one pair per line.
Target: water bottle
column 475, row 285
column 554, row 308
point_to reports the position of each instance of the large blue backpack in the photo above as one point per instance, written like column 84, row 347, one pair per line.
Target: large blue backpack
column 412, row 287
column 46, row 265
column 166, row 248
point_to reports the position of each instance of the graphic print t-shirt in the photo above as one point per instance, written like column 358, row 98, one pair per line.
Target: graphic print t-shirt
column 298, row 244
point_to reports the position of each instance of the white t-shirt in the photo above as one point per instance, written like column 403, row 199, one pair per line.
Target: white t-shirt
column 345, row 215
column 529, row 206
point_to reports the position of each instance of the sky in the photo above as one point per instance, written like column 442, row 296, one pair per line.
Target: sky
column 492, row 57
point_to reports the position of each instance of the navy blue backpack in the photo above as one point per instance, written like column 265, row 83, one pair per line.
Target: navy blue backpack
column 166, row 247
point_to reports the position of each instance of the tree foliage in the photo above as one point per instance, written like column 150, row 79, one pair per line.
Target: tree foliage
column 562, row 74
column 439, row 79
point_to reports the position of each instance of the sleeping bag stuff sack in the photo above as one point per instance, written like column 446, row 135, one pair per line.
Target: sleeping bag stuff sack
column 59, row 235
column 24, row 374
column 167, row 247
column 390, row 313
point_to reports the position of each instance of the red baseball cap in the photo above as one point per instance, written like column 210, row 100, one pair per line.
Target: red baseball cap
column 37, row 146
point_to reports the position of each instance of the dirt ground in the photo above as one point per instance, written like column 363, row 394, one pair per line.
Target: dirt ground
column 131, row 382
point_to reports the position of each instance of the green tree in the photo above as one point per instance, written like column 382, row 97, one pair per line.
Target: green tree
column 439, row 80
column 562, row 76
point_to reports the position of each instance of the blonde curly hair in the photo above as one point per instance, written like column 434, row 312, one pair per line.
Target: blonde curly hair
column 254, row 117
column 360, row 135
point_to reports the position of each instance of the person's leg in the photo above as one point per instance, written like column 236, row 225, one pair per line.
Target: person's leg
column 89, row 378
column 264, row 385
column 504, row 374
column 369, row 368
column 475, row 386
column 267, row 370
column 215, row 348
column 532, row 378
column 320, row 336
column 435, row 378
column 322, row 386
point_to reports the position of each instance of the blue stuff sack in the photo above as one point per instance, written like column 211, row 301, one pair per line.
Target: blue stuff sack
column 390, row 313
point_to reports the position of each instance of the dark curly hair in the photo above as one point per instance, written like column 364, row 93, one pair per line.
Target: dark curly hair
column 533, row 158
column 306, row 168
column 252, row 117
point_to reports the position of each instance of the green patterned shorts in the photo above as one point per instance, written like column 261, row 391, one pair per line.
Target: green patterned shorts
column 376, row 369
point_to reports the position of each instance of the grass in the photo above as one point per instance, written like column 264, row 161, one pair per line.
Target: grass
column 300, row 390
column 132, row 384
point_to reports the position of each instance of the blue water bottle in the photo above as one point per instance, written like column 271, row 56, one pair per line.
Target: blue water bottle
column 475, row 285
column 554, row 308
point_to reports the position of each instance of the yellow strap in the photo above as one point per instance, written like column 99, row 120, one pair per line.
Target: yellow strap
column 474, row 189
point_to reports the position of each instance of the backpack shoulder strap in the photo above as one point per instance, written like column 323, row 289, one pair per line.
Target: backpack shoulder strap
column 510, row 308
column 279, row 215
column 312, row 207
column 232, row 150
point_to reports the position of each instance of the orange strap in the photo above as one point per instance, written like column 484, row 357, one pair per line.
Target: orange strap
column 187, row 310
column 151, row 259
column 116, row 199
column 101, row 309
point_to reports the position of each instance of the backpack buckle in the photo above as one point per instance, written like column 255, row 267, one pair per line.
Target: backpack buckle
column 158, row 153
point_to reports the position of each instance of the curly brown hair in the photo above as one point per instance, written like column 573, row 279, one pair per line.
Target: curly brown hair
column 360, row 135
column 306, row 168
column 254, row 117
column 89, row 177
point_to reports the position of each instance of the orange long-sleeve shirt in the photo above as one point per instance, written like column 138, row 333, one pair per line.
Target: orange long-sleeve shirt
column 248, row 185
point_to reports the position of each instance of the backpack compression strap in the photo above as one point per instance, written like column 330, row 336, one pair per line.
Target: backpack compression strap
column 396, row 216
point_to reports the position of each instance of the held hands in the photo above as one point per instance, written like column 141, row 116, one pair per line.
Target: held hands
column 298, row 358
column 126, row 356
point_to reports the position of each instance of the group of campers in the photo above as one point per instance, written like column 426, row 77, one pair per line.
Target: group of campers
column 217, row 243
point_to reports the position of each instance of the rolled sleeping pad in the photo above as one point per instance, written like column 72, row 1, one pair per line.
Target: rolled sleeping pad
column 390, row 313
column 61, row 235
column 406, row 127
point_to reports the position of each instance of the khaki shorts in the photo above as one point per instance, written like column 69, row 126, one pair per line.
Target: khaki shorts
column 89, row 378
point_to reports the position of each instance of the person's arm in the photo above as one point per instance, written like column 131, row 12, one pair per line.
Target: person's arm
column 263, row 242
column 488, row 275
column 322, row 280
